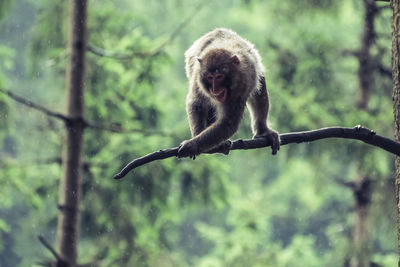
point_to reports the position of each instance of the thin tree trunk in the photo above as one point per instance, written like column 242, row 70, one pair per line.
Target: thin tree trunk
column 395, row 6
column 362, row 194
column 362, row 187
column 366, row 78
column 70, row 184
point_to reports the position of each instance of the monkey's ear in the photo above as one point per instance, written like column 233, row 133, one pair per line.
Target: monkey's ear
column 200, row 59
column 235, row 59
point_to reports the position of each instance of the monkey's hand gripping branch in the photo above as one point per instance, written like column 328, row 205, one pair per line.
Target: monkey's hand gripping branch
column 357, row 133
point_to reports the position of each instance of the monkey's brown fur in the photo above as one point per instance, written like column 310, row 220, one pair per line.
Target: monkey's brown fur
column 225, row 74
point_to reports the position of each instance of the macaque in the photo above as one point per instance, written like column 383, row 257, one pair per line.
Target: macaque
column 225, row 74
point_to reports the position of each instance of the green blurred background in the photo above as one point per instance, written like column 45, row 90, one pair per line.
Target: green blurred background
column 298, row 208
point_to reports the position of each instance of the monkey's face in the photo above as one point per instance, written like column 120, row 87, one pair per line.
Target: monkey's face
column 217, row 68
column 216, row 84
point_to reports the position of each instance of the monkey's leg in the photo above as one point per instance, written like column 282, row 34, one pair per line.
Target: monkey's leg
column 258, row 104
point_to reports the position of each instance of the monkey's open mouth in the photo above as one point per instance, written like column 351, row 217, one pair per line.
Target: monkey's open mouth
column 220, row 95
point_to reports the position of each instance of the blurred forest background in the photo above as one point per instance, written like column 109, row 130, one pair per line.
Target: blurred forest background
column 326, row 203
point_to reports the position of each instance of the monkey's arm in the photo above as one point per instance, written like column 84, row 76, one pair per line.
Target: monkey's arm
column 197, row 107
column 197, row 118
column 215, row 134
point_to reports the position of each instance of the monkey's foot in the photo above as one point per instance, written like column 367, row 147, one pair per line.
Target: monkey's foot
column 223, row 148
column 189, row 149
column 273, row 137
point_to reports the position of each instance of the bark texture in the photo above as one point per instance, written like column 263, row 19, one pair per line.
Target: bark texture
column 395, row 6
column 70, row 184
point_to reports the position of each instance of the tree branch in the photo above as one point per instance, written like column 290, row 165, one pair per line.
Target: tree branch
column 357, row 133
column 50, row 248
column 384, row 71
column 30, row 104
column 113, row 127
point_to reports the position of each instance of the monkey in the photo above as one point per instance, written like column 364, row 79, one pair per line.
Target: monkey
column 225, row 74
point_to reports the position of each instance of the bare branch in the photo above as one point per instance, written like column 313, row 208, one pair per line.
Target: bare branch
column 60, row 260
column 114, row 127
column 50, row 248
column 358, row 133
column 30, row 104
column 384, row 71
column 143, row 54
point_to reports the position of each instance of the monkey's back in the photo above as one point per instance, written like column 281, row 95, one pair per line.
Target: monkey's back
column 221, row 38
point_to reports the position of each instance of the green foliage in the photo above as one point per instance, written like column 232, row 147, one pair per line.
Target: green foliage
column 245, row 209
column 4, row 7
column 48, row 32
column 6, row 64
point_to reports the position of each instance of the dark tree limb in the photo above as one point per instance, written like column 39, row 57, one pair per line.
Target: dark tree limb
column 113, row 127
column 59, row 261
column 384, row 71
column 357, row 133
column 33, row 105
column 49, row 247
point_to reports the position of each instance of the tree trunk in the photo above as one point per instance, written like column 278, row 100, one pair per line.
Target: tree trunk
column 362, row 194
column 362, row 187
column 70, row 184
column 366, row 78
column 395, row 6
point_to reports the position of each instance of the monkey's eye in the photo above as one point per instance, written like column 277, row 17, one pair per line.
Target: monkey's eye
column 215, row 77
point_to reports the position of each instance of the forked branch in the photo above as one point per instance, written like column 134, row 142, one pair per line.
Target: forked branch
column 357, row 133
